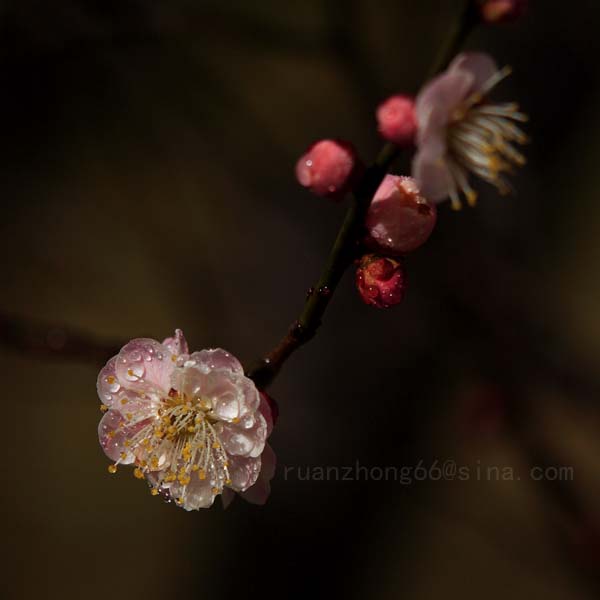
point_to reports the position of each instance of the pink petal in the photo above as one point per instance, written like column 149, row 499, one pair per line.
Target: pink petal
column 217, row 358
column 113, row 432
column 247, row 438
column 432, row 176
column 231, row 396
column 479, row 65
column 195, row 495
column 243, row 472
column 177, row 344
column 259, row 492
column 439, row 99
column 144, row 365
column 267, row 413
column 107, row 384
column 227, row 497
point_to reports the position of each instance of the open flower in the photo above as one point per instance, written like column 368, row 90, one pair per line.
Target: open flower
column 460, row 132
column 192, row 424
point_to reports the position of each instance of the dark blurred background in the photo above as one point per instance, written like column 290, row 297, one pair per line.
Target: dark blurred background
column 147, row 154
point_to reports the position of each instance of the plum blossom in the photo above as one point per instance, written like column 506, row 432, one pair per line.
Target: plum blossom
column 460, row 132
column 193, row 425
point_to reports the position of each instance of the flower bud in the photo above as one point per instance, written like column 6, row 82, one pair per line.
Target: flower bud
column 397, row 121
column 399, row 219
column 501, row 11
column 381, row 281
column 329, row 168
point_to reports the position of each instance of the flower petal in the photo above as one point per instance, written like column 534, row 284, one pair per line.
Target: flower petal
column 266, row 411
column 227, row 497
column 195, row 495
column 177, row 344
column 113, row 433
column 432, row 175
column 481, row 66
column 144, row 365
column 259, row 492
column 217, row 358
column 247, row 438
column 243, row 472
column 107, row 383
column 439, row 99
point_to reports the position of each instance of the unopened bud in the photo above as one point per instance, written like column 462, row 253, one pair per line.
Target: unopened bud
column 501, row 11
column 396, row 120
column 329, row 168
column 399, row 219
column 381, row 281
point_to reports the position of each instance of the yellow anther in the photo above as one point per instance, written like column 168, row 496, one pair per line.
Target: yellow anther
column 215, row 490
column 184, row 479
column 172, row 430
column 195, row 467
column 154, row 492
column 111, row 434
column 130, row 372
column 110, row 379
column 123, row 455
column 226, row 463
column 112, row 468
column 191, row 429
column 138, row 473
column 124, row 401
column 129, row 416
column 235, row 420
column 154, row 462
column 216, row 445
column 127, row 443
column 228, row 481
column 103, row 407
column 202, row 474
column 173, row 357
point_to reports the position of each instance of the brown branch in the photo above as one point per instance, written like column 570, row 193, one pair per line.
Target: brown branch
column 46, row 340
column 344, row 249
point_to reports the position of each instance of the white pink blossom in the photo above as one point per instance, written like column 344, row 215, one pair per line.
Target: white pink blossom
column 460, row 132
column 193, row 425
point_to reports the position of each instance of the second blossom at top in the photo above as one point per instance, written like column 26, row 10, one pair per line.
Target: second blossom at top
column 460, row 132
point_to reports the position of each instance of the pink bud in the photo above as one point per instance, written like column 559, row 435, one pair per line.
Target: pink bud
column 399, row 219
column 397, row 121
column 502, row 11
column 381, row 281
column 329, row 168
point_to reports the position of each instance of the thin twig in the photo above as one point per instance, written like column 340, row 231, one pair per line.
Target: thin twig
column 343, row 252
